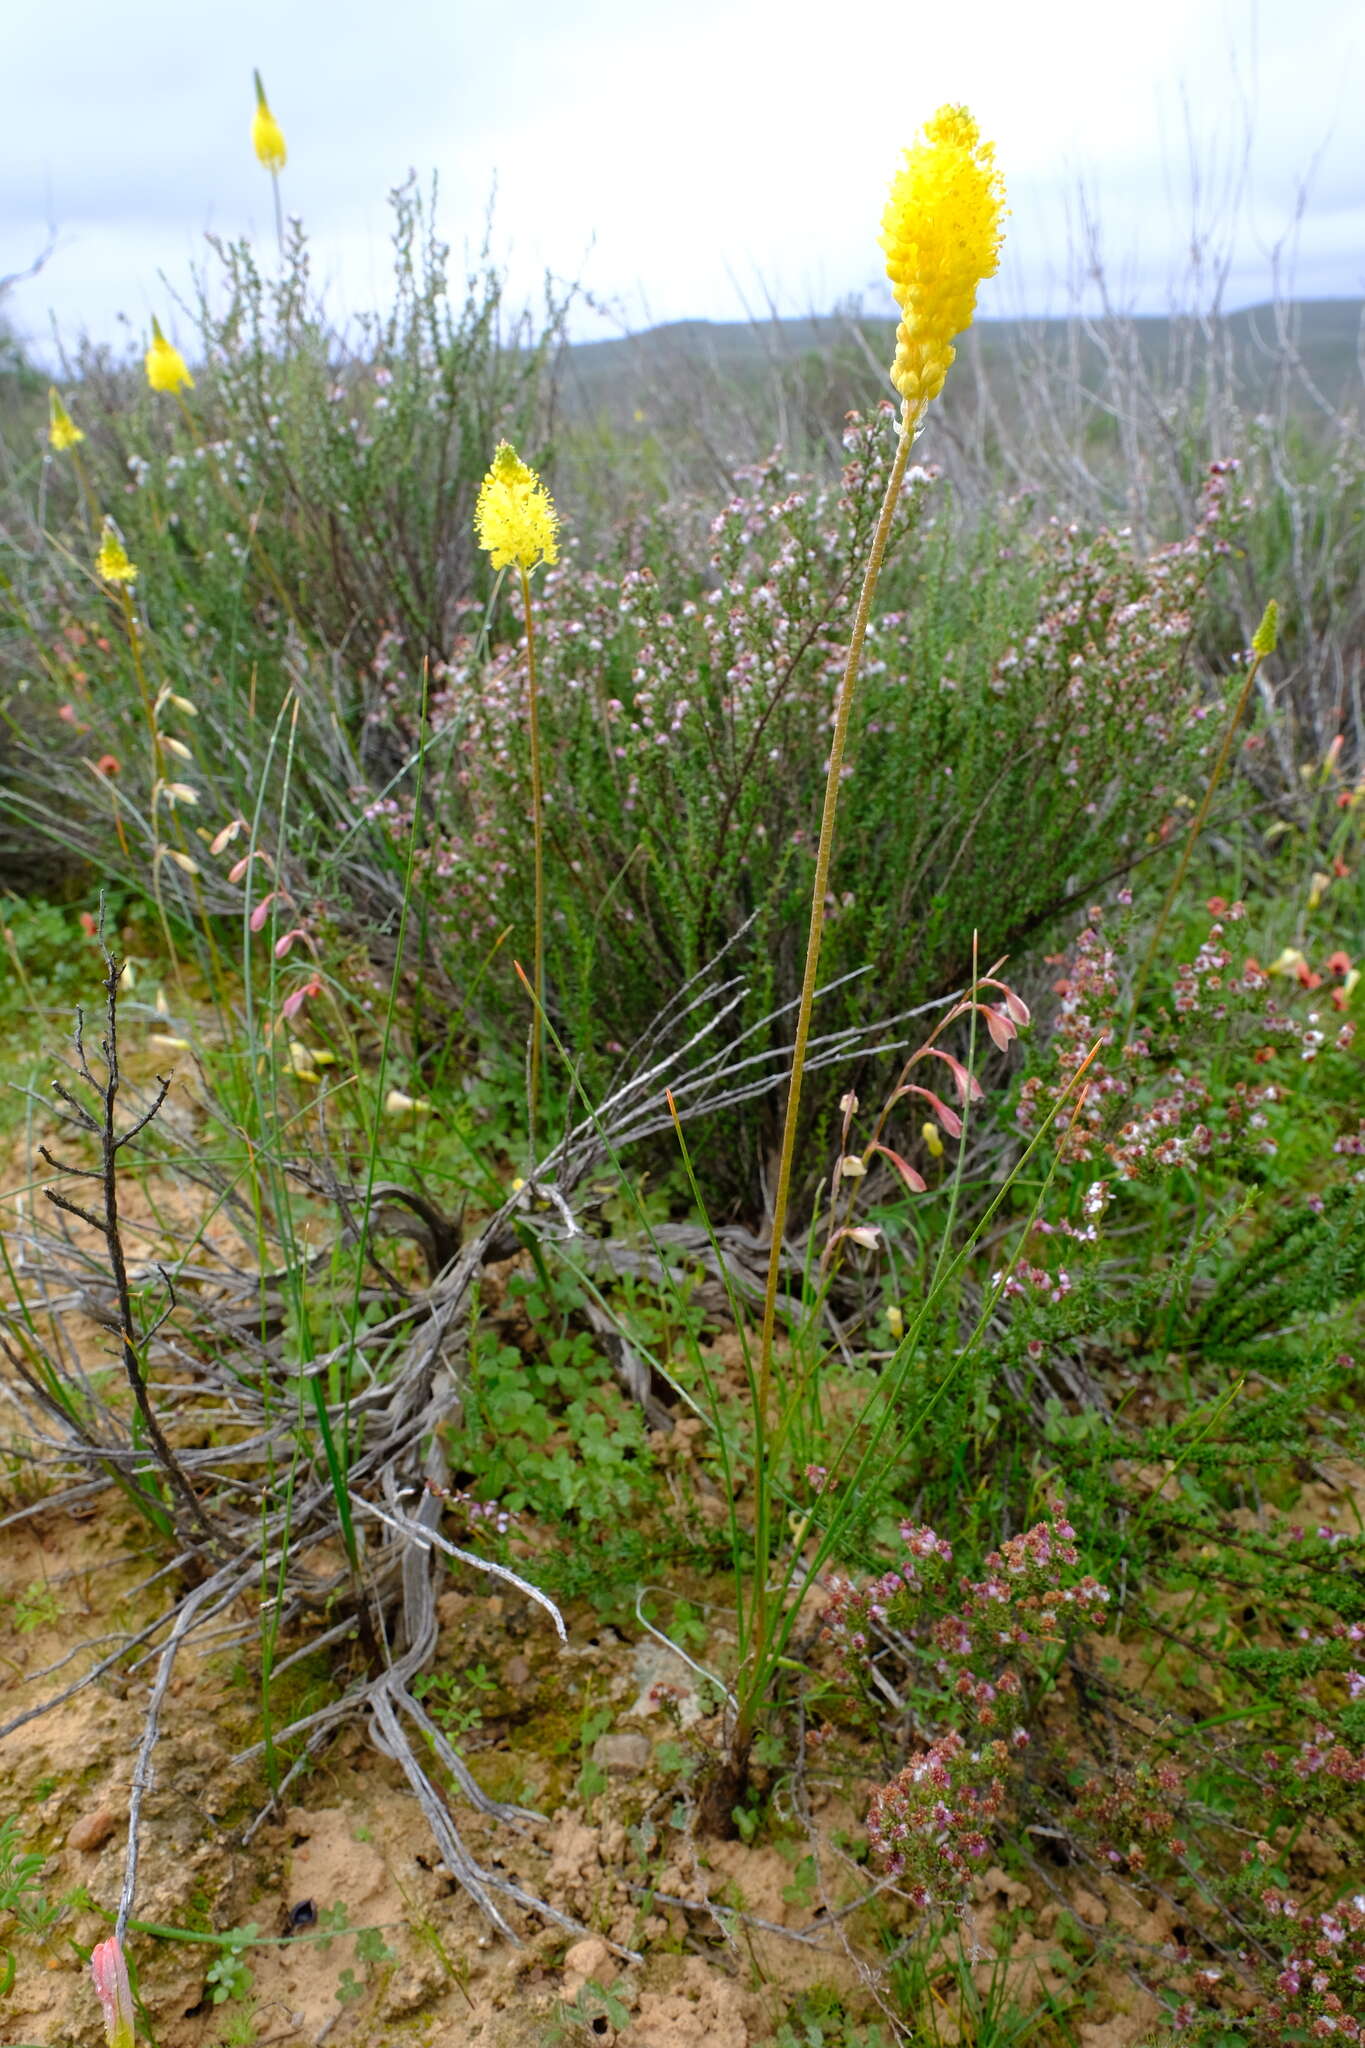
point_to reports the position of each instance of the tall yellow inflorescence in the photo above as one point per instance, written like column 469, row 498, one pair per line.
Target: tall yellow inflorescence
column 166, row 367
column 267, row 136
column 941, row 231
column 515, row 518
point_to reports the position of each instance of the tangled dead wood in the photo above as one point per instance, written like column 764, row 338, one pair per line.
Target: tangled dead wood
column 234, row 1460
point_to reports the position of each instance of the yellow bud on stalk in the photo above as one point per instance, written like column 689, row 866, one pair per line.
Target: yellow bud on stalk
column 111, row 563
column 1268, row 632
column 166, row 367
column 267, row 137
column 62, row 430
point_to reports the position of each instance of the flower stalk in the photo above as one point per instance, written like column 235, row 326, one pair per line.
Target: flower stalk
column 517, row 526
column 941, row 231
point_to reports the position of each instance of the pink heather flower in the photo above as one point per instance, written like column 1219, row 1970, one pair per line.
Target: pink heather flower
column 110, row 1973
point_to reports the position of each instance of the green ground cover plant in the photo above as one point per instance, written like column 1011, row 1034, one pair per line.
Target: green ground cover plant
column 983, row 1432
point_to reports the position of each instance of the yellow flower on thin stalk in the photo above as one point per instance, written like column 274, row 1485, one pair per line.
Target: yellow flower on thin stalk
column 267, row 136
column 111, row 563
column 166, row 367
column 515, row 518
column 267, row 139
column 516, row 524
column 941, row 231
column 62, row 430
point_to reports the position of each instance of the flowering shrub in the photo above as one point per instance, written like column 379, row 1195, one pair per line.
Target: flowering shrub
column 979, row 1640
column 1147, row 1106
column 1013, row 692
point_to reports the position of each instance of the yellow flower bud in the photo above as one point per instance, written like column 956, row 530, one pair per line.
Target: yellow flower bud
column 111, row 563
column 401, row 1107
column 62, row 430
column 267, row 137
column 515, row 519
column 1264, row 638
column 932, row 1140
column 895, row 1323
column 942, row 233
column 166, row 370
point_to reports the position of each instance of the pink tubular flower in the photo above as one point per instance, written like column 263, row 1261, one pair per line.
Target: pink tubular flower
column 295, row 1001
column 110, row 1973
column 260, row 915
column 239, row 868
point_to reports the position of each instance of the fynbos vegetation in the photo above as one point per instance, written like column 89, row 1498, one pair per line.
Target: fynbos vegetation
column 710, row 1176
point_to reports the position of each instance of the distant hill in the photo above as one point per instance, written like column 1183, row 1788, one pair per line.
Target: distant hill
column 1259, row 341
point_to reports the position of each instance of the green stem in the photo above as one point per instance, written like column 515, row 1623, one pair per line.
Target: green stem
column 782, row 1194
column 538, row 838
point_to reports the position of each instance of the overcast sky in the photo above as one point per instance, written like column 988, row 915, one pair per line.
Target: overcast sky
column 678, row 157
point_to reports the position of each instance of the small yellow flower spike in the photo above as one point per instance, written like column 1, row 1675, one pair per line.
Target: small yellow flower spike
column 942, row 233
column 515, row 518
column 1267, row 633
column 62, row 430
column 267, row 137
column 166, row 368
column 112, row 563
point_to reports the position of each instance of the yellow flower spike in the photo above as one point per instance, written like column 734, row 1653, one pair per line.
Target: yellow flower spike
column 62, row 430
column 515, row 519
column 111, row 563
column 267, row 137
column 942, row 233
column 166, row 367
column 1267, row 633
